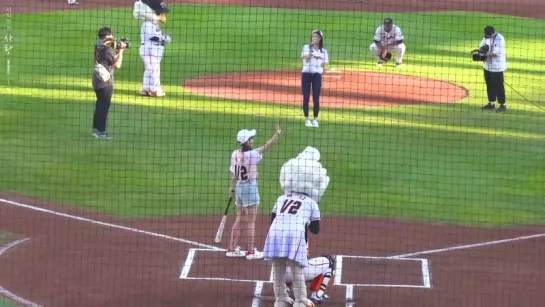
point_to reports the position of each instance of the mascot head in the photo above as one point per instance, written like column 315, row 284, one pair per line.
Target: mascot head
column 305, row 174
column 150, row 10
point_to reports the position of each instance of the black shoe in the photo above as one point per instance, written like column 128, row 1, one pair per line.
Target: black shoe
column 488, row 106
column 502, row 108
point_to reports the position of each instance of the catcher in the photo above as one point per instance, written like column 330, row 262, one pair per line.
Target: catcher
column 388, row 40
column 304, row 181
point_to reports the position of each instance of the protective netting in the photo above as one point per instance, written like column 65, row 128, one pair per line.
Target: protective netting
column 160, row 154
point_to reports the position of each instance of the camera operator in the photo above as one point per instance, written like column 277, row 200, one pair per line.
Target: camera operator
column 492, row 53
column 108, row 56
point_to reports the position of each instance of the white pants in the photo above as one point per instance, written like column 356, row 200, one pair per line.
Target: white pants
column 397, row 52
column 151, row 56
column 316, row 266
column 298, row 284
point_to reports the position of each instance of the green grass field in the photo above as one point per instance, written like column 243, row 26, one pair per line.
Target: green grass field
column 448, row 163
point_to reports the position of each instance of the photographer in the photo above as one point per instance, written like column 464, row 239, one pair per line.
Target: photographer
column 108, row 56
column 492, row 53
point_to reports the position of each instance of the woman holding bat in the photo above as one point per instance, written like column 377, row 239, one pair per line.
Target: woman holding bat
column 243, row 170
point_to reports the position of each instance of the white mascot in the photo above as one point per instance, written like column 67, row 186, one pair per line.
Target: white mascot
column 152, row 13
column 304, row 181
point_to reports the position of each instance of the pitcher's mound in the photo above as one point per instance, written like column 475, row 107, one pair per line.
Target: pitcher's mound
column 339, row 90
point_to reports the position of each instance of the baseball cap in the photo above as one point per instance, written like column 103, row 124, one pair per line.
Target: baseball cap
column 244, row 135
column 388, row 20
column 158, row 6
column 319, row 32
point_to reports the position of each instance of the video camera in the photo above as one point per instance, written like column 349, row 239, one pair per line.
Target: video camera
column 479, row 55
column 122, row 43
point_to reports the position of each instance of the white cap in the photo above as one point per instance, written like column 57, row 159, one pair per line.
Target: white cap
column 319, row 32
column 244, row 135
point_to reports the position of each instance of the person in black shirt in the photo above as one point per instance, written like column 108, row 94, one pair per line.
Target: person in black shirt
column 106, row 60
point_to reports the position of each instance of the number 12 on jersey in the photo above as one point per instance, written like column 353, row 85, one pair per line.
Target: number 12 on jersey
column 291, row 205
column 241, row 172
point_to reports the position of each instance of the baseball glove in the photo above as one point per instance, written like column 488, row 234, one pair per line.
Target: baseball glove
column 385, row 56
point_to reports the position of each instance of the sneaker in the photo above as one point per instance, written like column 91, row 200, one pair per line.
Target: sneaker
column 253, row 255
column 315, row 298
column 398, row 64
column 308, row 123
column 144, row 92
column 289, row 301
column 315, row 124
column 159, row 93
column 379, row 63
column 235, row 253
column 488, row 106
column 502, row 108
column 306, row 302
column 102, row 135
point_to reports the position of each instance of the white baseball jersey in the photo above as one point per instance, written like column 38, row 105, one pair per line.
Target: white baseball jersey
column 294, row 211
column 150, row 29
column 496, row 44
column 286, row 237
column 314, row 64
column 388, row 37
column 244, row 164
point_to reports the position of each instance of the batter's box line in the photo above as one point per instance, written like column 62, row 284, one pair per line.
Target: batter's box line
column 425, row 269
column 3, row 291
column 110, row 225
column 190, row 259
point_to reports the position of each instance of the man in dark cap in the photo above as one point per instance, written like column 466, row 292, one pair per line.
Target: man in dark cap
column 493, row 48
column 388, row 39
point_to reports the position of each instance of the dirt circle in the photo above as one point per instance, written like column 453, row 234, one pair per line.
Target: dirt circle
column 340, row 89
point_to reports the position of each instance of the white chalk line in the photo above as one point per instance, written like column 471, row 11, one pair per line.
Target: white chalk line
column 187, row 264
column 82, row 219
column 468, row 246
column 349, row 295
column 256, row 301
column 4, row 291
column 426, row 275
column 338, row 270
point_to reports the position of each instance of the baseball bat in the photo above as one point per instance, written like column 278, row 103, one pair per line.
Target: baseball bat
column 219, row 233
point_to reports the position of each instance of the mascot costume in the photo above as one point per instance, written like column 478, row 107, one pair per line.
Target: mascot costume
column 152, row 13
column 304, row 181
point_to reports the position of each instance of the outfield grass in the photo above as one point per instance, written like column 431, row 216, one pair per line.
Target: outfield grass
column 449, row 163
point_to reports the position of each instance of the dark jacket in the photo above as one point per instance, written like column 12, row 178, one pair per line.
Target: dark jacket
column 105, row 56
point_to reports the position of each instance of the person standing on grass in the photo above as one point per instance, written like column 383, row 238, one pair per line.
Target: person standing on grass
column 106, row 60
column 315, row 57
column 243, row 171
column 494, row 66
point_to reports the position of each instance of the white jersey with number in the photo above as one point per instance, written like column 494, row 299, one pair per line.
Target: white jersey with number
column 244, row 164
column 286, row 237
column 388, row 37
